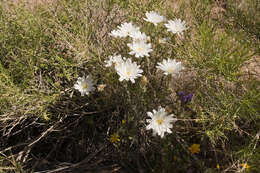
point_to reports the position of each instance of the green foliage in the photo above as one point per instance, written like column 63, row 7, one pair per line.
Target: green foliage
column 14, row 165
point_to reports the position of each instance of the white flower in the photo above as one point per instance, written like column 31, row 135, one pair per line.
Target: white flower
column 117, row 33
column 170, row 66
column 116, row 60
column 85, row 85
column 128, row 70
column 125, row 30
column 163, row 40
column 140, row 48
column 176, row 26
column 154, row 17
column 138, row 36
column 109, row 62
column 128, row 28
column 160, row 123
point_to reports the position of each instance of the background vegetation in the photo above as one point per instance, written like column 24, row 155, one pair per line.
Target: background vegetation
column 46, row 126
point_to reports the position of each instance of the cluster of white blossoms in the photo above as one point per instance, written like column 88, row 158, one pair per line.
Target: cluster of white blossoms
column 175, row 26
column 125, row 68
column 141, row 47
column 125, row 30
column 160, row 122
column 114, row 60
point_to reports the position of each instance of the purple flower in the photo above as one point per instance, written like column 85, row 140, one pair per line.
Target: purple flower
column 185, row 98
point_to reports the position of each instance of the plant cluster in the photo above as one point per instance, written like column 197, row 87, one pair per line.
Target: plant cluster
column 128, row 70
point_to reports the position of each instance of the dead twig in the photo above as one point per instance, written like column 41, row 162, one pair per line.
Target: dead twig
column 86, row 160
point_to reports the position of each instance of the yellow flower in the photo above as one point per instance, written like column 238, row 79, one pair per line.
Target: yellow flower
column 245, row 165
column 123, row 121
column 114, row 138
column 195, row 148
column 218, row 166
column 174, row 158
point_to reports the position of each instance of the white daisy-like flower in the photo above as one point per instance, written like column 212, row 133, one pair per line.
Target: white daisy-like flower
column 115, row 59
column 154, row 17
column 170, row 67
column 160, row 122
column 125, row 30
column 140, row 48
column 176, row 26
column 128, row 28
column 85, row 85
column 138, row 36
column 128, row 70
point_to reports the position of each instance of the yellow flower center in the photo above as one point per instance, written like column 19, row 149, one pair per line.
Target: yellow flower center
column 140, row 49
column 128, row 73
column 84, row 86
column 116, row 64
column 171, row 70
column 160, row 121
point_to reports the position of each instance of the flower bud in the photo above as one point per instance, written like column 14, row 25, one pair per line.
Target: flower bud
column 101, row 87
column 144, row 81
column 168, row 109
